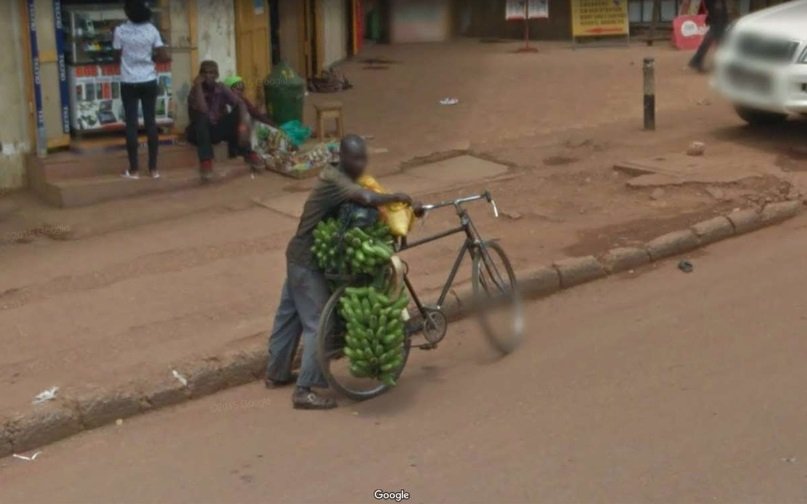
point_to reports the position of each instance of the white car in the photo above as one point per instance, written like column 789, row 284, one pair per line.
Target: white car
column 761, row 66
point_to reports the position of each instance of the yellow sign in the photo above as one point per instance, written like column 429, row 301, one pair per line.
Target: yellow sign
column 599, row 18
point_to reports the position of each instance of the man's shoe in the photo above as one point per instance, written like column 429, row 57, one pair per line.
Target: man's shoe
column 274, row 384
column 698, row 67
column 307, row 399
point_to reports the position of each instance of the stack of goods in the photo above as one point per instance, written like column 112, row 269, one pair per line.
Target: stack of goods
column 373, row 309
column 328, row 82
column 282, row 155
column 375, row 332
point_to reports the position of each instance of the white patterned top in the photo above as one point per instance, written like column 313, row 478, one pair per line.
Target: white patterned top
column 136, row 43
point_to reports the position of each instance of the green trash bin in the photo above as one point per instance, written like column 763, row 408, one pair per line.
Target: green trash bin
column 374, row 24
column 285, row 94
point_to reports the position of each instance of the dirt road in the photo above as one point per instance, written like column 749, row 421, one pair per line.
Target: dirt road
column 668, row 387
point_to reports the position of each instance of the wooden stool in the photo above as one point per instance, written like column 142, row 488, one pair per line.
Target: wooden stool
column 329, row 110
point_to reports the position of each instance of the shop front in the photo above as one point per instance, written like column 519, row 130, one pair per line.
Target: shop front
column 72, row 79
column 420, row 21
column 84, row 43
column 641, row 12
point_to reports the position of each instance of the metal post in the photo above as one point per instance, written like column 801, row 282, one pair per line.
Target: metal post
column 527, row 47
column 526, row 32
column 649, row 71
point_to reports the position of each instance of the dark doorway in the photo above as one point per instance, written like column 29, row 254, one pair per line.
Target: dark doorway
column 274, row 29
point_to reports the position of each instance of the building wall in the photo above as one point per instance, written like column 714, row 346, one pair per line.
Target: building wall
column 335, row 31
column 14, row 144
column 420, row 21
column 216, row 26
column 291, row 34
column 182, row 73
column 485, row 18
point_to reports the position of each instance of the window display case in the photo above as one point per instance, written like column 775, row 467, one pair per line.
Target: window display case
column 93, row 71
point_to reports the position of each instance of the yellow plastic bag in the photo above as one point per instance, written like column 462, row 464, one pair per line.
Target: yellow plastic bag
column 398, row 216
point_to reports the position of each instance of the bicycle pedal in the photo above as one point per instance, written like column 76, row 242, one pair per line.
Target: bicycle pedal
column 427, row 346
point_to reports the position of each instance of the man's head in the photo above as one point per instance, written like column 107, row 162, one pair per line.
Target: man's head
column 235, row 83
column 137, row 11
column 353, row 156
column 209, row 72
column 239, row 88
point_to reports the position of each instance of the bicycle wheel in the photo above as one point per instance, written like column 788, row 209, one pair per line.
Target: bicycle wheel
column 335, row 365
column 497, row 301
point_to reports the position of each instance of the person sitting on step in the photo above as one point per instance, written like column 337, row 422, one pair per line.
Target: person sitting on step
column 237, row 86
column 218, row 115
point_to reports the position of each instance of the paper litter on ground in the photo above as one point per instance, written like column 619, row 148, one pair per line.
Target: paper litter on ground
column 27, row 459
column 45, row 395
column 182, row 379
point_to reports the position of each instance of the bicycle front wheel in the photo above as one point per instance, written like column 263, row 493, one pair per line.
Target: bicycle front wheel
column 335, row 364
column 497, row 301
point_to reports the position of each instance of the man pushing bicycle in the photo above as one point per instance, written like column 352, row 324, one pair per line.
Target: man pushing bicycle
column 305, row 290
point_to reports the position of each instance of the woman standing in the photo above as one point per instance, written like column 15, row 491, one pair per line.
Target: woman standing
column 140, row 45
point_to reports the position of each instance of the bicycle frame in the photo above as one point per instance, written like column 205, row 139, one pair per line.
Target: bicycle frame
column 471, row 243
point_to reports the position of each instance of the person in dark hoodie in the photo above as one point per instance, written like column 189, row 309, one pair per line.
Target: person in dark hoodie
column 717, row 17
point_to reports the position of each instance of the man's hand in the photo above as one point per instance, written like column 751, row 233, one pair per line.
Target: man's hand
column 417, row 207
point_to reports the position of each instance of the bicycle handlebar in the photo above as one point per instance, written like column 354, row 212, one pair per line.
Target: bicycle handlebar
column 459, row 201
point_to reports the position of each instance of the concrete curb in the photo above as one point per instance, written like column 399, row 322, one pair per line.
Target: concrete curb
column 70, row 415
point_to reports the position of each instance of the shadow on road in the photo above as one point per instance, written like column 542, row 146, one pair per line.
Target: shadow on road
column 784, row 138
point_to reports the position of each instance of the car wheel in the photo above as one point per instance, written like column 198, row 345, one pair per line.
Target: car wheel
column 756, row 117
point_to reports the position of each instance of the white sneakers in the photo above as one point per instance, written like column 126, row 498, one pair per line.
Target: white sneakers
column 136, row 176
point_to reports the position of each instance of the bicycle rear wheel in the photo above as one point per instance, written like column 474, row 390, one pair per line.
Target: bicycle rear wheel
column 497, row 301
column 333, row 362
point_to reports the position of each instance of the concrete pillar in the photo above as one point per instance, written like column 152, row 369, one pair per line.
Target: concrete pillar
column 14, row 141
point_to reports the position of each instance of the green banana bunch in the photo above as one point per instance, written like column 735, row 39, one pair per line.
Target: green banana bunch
column 326, row 246
column 375, row 337
column 366, row 251
column 360, row 251
column 375, row 332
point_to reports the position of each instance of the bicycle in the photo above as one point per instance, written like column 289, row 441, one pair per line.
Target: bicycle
column 494, row 286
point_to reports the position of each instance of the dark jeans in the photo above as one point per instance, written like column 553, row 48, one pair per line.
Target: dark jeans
column 204, row 134
column 302, row 299
column 132, row 95
column 715, row 34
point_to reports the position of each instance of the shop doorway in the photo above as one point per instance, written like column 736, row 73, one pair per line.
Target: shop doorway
column 274, row 30
column 312, row 30
column 252, row 44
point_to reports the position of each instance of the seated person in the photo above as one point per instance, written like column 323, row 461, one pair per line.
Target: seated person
column 218, row 115
column 236, row 85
